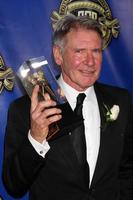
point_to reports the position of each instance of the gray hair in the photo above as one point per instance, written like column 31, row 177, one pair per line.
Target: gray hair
column 65, row 24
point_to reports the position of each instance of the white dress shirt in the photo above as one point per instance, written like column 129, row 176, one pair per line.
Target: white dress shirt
column 91, row 117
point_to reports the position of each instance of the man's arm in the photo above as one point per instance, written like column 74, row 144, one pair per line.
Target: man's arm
column 126, row 167
column 22, row 163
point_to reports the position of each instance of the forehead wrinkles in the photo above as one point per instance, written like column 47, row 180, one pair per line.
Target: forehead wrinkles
column 82, row 37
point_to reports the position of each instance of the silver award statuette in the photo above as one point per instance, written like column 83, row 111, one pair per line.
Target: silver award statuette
column 36, row 71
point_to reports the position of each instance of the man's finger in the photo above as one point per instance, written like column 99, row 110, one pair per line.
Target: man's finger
column 47, row 96
column 34, row 98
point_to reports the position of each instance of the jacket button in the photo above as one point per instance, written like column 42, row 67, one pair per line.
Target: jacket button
column 92, row 190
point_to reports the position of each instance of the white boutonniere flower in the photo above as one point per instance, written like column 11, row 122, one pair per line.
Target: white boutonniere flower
column 110, row 114
column 113, row 113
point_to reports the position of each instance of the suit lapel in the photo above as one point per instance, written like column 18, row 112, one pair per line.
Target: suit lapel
column 103, row 99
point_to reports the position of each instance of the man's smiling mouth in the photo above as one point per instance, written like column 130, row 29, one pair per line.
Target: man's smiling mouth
column 87, row 72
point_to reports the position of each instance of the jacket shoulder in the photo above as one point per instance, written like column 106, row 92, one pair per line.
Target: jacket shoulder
column 112, row 94
column 109, row 89
column 21, row 103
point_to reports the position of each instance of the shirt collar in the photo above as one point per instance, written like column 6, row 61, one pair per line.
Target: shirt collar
column 71, row 94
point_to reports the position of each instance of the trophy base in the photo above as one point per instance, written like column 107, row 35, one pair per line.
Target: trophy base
column 53, row 129
column 68, row 123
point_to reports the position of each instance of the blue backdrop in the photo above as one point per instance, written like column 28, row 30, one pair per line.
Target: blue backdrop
column 25, row 32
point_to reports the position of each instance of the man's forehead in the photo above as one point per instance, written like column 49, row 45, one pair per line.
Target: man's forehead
column 81, row 31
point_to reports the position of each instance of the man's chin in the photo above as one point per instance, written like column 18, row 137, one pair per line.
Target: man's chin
column 88, row 84
column 85, row 87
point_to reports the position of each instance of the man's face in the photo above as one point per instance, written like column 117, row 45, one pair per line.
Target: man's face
column 81, row 58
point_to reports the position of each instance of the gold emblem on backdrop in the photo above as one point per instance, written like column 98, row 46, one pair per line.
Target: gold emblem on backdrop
column 0, row 198
column 6, row 76
column 97, row 9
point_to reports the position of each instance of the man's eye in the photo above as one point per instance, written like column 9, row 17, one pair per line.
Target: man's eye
column 79, row 50
column 97, row 50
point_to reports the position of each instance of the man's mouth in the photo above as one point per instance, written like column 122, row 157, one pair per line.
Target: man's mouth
column 87, row 72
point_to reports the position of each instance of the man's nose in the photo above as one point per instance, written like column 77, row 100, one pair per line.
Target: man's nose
column 89, row 59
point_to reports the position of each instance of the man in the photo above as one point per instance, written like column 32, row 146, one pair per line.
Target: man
column 51, row 170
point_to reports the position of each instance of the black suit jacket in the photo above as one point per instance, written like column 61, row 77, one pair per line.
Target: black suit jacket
column 59, row 175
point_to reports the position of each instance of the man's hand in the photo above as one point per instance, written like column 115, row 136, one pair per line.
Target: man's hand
column 42, row 114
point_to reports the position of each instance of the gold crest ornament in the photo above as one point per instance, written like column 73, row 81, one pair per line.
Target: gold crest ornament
column 6, row 76
column 0, row 198
column 96, row 9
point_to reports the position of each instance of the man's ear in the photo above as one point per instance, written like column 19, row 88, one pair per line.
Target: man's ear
column 57, row 55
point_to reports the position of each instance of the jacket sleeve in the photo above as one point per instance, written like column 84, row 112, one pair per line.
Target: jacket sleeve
column 126, row 167
column 21, row 162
